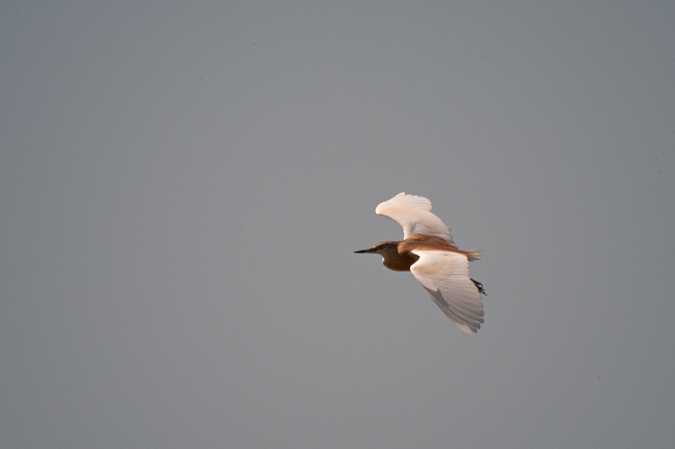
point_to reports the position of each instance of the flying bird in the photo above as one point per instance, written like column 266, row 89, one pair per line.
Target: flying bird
column 429, row 253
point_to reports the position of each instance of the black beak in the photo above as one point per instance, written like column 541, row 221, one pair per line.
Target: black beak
column 364, row 251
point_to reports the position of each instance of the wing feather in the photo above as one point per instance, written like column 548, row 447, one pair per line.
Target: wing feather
column 445, row 276
column 413, row 214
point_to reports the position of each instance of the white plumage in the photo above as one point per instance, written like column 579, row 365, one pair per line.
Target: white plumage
column 431, row 255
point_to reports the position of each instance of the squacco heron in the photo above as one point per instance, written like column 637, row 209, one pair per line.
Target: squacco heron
column 429, row 253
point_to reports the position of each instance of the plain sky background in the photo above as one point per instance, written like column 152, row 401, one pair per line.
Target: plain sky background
column 183, row 184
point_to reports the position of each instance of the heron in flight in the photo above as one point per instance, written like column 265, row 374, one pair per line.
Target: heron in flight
column 429, row 253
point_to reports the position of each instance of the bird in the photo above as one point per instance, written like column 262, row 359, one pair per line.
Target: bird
column 431, row 255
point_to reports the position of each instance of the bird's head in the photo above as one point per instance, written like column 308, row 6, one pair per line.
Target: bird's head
column 382, row 248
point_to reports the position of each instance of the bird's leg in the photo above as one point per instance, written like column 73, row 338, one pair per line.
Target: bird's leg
column 479, row 286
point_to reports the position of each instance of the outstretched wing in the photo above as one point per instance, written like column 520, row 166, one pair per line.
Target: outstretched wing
column 413, row 214
column 445, row 276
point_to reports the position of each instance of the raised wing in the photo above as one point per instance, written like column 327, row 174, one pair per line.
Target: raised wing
column 413, row 214
column 445, row 276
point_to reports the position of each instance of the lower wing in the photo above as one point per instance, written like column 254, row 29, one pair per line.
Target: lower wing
column 445, row 276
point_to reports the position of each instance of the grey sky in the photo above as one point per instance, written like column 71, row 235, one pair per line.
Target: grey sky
column 183, row 184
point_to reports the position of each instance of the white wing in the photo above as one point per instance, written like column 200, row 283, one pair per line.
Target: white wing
column 412, row 213
column 445, row 276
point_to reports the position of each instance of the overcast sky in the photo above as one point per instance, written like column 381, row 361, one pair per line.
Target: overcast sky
column 183, row 184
